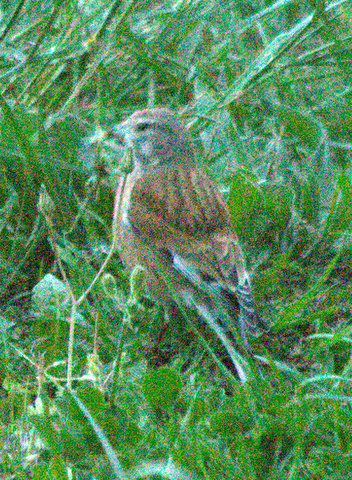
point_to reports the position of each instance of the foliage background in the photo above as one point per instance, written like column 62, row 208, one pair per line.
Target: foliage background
column 265, row 88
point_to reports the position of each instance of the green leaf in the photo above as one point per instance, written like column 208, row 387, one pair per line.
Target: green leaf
column 287, row 316
column 40, row 472
column 228, row 422
column 300, row 125
column 57, row 468
column 245, row 203
column 278, row 201
column 339, row 219
column 161, row 387
column 50, row 291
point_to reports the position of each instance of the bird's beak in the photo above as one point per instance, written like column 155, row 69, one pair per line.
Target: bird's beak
column 118, row 133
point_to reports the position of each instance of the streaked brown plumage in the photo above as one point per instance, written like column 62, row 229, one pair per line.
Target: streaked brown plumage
column 175, row 222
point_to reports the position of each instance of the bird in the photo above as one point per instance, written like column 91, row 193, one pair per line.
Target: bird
column 174, row 221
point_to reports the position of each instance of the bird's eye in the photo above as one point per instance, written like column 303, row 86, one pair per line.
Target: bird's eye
column 141, row 127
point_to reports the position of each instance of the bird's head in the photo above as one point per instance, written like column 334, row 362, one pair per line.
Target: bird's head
column 156, row 136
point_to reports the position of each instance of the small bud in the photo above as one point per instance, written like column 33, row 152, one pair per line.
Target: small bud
column 137, row 282
column 126, row 165
column 94, row 367
column 45, row 205
column 108, row 283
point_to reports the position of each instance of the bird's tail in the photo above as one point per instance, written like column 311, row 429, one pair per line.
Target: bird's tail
column 229, row 314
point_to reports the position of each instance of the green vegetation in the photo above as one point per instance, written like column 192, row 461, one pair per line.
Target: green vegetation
column 92, row 383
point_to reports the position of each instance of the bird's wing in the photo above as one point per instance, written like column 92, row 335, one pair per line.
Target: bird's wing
column 179, row 212
column 182, row 201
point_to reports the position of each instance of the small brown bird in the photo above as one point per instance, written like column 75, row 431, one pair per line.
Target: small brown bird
column 175, row 223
